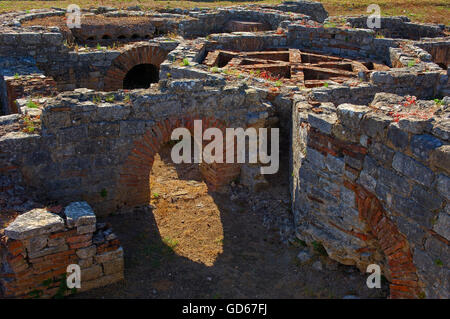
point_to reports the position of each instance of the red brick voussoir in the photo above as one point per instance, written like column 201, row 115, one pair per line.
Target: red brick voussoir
column 135, row 172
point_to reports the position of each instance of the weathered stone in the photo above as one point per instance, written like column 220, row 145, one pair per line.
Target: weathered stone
column 79, row 213
column 412, row 169
column 382, row 153
column 375, row 125
column 86, row 252
column 113, row 266
column 440, row 158
column 426, row 197
column 86, row 229
column 334, row 164
column 34, row 223
column 442, row 129
column 423, row 145
column 101, row 258
column 86, row 263
column 414, row 125
column 48, row 251
column 322, row 122
column 443, row 185
column 90, row 273
column 397, row 137
column 351, row 115
column 442, row 225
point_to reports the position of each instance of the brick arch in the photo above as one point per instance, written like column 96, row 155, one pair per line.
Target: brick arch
column 405, row 282
column 146, row 54
column 134, row 179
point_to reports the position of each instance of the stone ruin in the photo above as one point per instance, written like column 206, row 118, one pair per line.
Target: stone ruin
column 84, row 111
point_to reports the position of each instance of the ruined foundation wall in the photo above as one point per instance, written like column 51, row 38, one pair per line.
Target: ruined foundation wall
column 38, row 246
column 374, row 188
column 352, row 43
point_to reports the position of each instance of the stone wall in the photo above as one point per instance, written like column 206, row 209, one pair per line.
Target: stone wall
column 39, row 245
column 371, row 185
column 91, row 143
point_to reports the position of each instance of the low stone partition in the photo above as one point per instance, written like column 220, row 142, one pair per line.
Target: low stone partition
column 400, row 27
column 371, row 185
column 39, row 245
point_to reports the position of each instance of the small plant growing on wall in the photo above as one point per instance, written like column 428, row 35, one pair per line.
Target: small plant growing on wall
column 32, row 105
column 110, row 98
column 185, row 62
column 96, row 99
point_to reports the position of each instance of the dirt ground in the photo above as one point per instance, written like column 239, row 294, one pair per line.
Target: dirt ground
column 191, row 243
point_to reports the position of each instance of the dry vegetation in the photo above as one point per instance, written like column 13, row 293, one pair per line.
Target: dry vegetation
column 436, row 11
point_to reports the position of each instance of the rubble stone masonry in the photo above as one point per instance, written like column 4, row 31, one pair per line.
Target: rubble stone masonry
column 371, row 184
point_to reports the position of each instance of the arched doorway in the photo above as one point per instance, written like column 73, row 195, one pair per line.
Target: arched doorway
column 141, row 76
column 139, row 63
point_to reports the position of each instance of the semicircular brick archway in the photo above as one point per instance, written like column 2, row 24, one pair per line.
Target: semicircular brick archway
column 403, row 273
column 134, row 185
column 141, row 54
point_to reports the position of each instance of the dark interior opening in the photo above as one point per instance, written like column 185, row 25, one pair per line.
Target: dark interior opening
column 443, row 66
column 106, row 37
column 135, row 36
column 141, row 76
column 121, row 37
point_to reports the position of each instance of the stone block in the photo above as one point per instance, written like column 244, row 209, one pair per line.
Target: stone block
column 351, row 115
column 442, row 225
column 412, row 169
column 113, row 266
column 87, row 252
column 91, row 273
column 423, row 145
column 440, row 158
column 110, row 255
column 79, row 214
column 34, row 223
column 322, row 122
